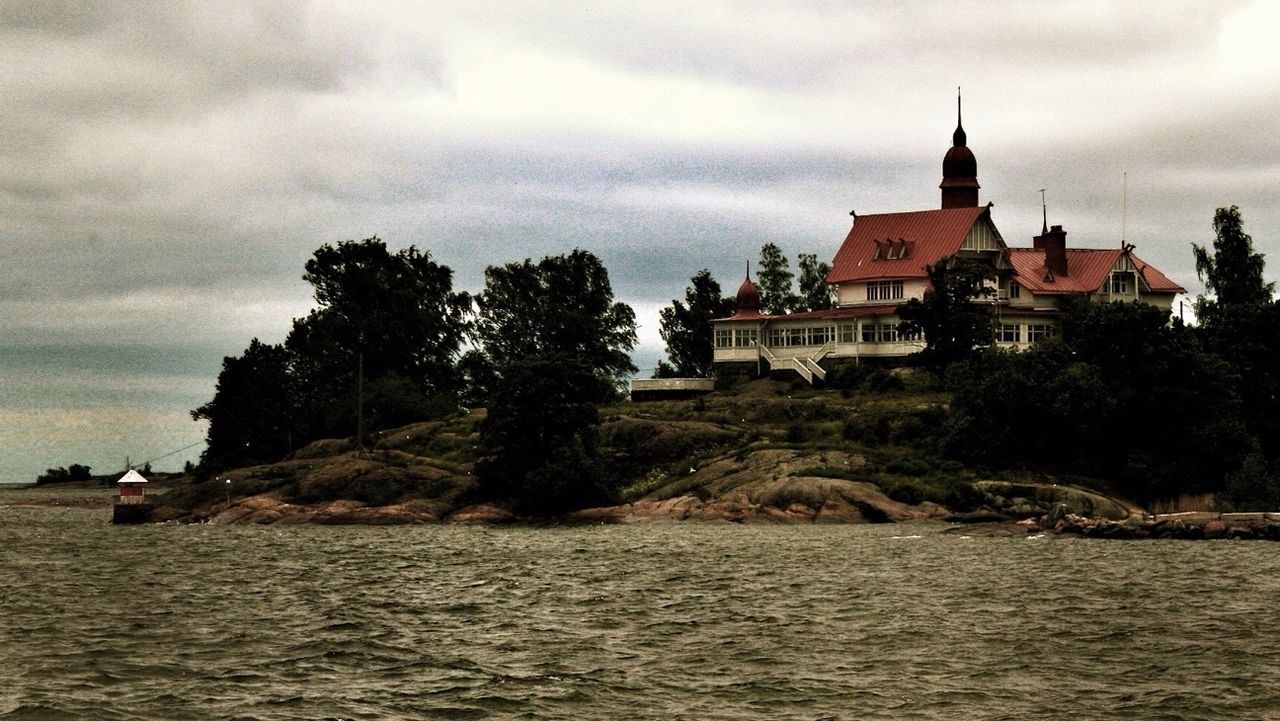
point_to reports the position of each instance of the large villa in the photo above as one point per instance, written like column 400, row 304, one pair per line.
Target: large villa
column 884, row 262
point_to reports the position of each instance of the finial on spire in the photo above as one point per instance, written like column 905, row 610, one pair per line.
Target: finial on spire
column 748, row 270
column 958, row 137
column 1044, row 210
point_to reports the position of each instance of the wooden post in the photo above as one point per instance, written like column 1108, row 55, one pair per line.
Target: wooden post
column 360, row 401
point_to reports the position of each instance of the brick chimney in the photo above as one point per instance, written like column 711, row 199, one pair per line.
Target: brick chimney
column 1054, row 244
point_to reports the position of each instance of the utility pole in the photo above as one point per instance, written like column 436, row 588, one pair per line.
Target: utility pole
column 360, row 401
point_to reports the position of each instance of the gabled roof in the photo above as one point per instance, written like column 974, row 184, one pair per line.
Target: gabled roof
column 931, row 235
column 132, row 477
column 1087, row 271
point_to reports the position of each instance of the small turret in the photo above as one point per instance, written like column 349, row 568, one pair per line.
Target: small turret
column 747, row 303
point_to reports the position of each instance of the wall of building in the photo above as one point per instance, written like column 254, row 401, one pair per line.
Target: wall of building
column 852, row 294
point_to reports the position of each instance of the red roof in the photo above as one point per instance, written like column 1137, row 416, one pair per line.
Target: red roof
column 1087, row 271
column 928, row 235
column 831, row 314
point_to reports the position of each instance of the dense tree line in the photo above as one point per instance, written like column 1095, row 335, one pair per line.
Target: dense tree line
column 1156, row 407
column 541, row 344
column 67, row 474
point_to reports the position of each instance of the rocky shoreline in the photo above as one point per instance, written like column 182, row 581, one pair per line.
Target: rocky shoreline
column 267, row 509
column 1190, row 526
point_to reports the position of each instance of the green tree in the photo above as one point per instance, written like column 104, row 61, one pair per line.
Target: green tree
column 774, row 281
column 395, row 314
column 398, row 309
column 74, row 472
column 815, row 294
column 1242, row 321
column 1232, row 272
column 686, row 327
column 1122, row 395
column 955, row 315
column 252, row 411
column 539, row 439
column 560, row 308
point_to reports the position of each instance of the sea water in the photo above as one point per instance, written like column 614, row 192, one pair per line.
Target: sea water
column 678, row 621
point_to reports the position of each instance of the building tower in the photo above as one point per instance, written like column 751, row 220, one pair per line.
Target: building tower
column 959, row 170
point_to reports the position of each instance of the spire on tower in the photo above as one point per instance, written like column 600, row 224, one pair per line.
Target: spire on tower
column 959, row 169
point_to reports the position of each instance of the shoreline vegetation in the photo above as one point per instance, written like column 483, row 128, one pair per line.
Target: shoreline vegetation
column 400, row 400
column 762, row 452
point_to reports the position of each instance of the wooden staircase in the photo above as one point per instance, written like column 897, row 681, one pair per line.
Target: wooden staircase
column 806, row 366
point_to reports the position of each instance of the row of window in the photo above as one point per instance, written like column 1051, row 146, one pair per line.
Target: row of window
column 1012, row 332
column 736, row 337
column 813, row 335
column 865, row 332
column 884, row 290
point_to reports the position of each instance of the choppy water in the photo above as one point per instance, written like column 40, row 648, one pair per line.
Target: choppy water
column 653, row 622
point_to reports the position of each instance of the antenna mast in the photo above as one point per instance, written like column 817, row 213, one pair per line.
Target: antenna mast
column 1124, row 210
column 1044, row 211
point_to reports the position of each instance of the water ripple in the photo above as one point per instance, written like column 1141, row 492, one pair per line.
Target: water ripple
column 671, row 622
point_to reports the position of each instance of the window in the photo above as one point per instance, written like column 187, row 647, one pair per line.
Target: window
column 888, row 332
column 1119, row 284
column 868, row 332
column 1010, row 333
column 822, row 335
column 796, row 336
column 1015, row 290
column 912, row 336
column 747, row 338
column 775, row 337
column 1038, row 331
column 724, row 337
column 884, row 290
column 847, row 332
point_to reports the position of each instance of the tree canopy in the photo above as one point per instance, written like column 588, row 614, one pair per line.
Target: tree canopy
column 686, row 327
column 955, row 315
column 774, row 279
column 252, row 414
column 815, row 294
column 398, row 309
column 1232, row 271
column 539, row 440
column 559, row 308
column 397, row 312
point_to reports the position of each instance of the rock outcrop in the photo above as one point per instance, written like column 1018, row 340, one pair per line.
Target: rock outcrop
column 1192, row 526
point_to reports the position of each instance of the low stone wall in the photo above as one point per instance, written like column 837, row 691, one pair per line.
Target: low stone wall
column 649, row 389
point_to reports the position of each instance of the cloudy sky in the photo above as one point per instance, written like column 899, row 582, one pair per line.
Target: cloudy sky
column 169, row 167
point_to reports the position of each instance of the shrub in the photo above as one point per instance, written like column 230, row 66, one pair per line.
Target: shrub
column 882, row 381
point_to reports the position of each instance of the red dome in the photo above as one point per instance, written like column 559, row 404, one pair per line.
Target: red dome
column 959, row 164
column 748, row 297
column 747, row 304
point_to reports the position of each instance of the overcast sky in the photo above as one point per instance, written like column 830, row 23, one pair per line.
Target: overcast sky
column 169, row 167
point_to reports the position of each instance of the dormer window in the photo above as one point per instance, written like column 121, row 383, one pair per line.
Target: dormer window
column 890, row 255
